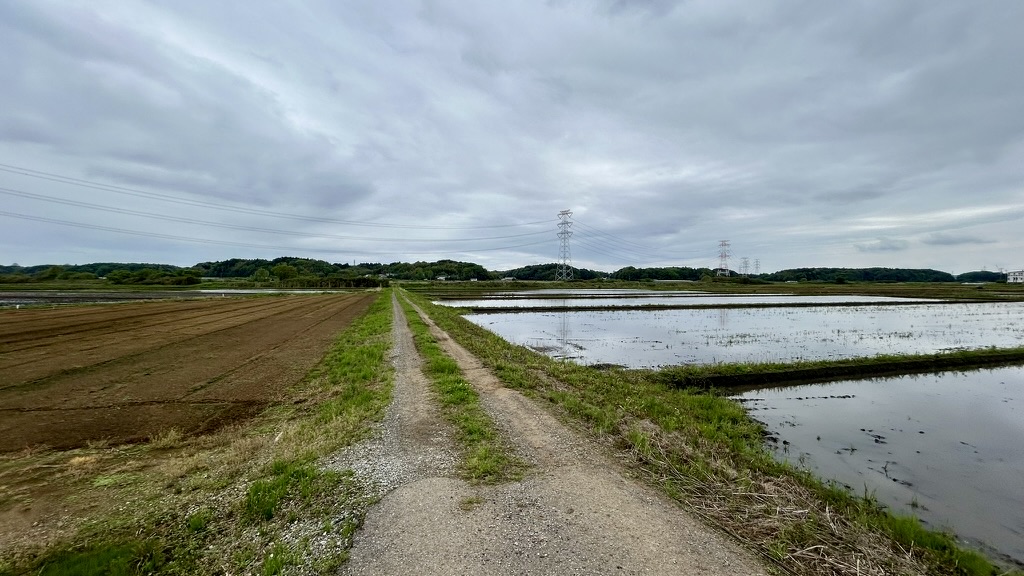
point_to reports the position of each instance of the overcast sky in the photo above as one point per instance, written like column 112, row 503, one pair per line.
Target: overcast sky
column 806, row 133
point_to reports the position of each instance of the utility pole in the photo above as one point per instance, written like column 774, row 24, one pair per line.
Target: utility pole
column 723, row 258
column 564, row 271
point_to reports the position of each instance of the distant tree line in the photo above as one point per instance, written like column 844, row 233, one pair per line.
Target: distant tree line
column 116, row 273
column 859, row 275
column 981, row 276
column 547, row 272
column 302, row 271
column 294, row 272
column 671, row 273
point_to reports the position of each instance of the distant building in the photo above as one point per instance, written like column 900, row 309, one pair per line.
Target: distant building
column 1016, row 277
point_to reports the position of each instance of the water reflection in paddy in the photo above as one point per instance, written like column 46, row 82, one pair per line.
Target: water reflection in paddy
column 948, row 448
column 527, row 300
column 638, row 339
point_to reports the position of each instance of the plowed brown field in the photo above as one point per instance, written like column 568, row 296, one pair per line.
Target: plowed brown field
column 126, row 372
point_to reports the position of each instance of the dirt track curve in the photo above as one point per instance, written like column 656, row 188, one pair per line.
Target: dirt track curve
column 575, row 512
column 128, row 371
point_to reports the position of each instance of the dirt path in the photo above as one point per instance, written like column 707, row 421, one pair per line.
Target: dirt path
column 574, row 513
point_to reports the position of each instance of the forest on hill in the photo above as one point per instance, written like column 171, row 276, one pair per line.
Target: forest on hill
column 860, row 275
column 305, row 272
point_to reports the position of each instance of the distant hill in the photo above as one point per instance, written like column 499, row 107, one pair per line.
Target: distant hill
column 97, row 268
column 981, row 276
column 304, row 267
column 309, row 272
column 547, row 272
column 860, row 275
column 671, row 273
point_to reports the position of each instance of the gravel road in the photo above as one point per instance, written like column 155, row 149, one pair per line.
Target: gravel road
column 575, row 512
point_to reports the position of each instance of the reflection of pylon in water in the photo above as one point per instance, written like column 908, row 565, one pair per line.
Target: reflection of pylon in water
column 563, row 335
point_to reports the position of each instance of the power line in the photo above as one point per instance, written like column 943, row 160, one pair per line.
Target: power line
column 50, row 176
column 613, row 246
column 126, row 211
column 228, row 242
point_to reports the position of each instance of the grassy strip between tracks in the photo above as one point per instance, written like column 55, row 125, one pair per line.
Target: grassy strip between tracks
column 487, row 458
column 252, row 499
column 703, row 450
column 759, row 374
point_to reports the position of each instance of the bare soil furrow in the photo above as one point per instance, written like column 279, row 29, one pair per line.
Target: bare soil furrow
column 201, row 375
column 111, row 343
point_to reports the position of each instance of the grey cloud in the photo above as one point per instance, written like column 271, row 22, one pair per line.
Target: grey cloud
column 668, row 124
column 945, row 239
column 884, row 245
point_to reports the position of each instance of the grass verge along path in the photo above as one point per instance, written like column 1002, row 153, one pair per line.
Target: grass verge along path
column 487, row 458
column 703, row 450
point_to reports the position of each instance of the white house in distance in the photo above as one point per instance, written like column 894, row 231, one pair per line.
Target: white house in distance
column 1016, row 277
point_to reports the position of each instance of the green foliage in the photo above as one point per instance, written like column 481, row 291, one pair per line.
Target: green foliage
column 672, row 273
column 909, row 531
column 111, row 558
column 279, row 557
column 981, row 276
column 284, row 271
column 860, row 275
column 51, row 273
column 261, row 275
column 546, row 272
column 197, row 522
column 179, row 277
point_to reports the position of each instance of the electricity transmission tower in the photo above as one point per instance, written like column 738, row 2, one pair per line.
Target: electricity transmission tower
column 745, row 266
column 564, row 271
column 723, row 258
column 757, row 267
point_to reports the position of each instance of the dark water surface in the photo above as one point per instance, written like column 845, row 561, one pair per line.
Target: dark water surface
column 947, row 448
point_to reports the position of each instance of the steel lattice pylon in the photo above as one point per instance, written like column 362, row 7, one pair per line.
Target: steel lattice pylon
column 564, row 271
column 723, row 258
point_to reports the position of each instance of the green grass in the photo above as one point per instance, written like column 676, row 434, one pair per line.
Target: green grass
column 486, row 458
column 279, row 557
column 288, row 481
column 114, row 558
column 746, row 374
column 702, row 449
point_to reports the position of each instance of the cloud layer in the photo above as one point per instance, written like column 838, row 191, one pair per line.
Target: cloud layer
column 808, row 134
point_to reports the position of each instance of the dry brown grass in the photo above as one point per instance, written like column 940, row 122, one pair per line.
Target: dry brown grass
column 777, row 517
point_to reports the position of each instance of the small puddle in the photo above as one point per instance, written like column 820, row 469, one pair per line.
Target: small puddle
column 947, row 448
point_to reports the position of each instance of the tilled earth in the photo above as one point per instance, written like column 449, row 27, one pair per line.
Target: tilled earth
column 575, row 512
column 126, row 372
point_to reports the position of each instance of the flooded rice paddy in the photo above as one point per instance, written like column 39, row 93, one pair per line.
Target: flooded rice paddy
column 657, row 338
column 637, row 298
column 947, row 448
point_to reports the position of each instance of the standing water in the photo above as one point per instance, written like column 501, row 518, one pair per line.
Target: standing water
column 947, row 448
